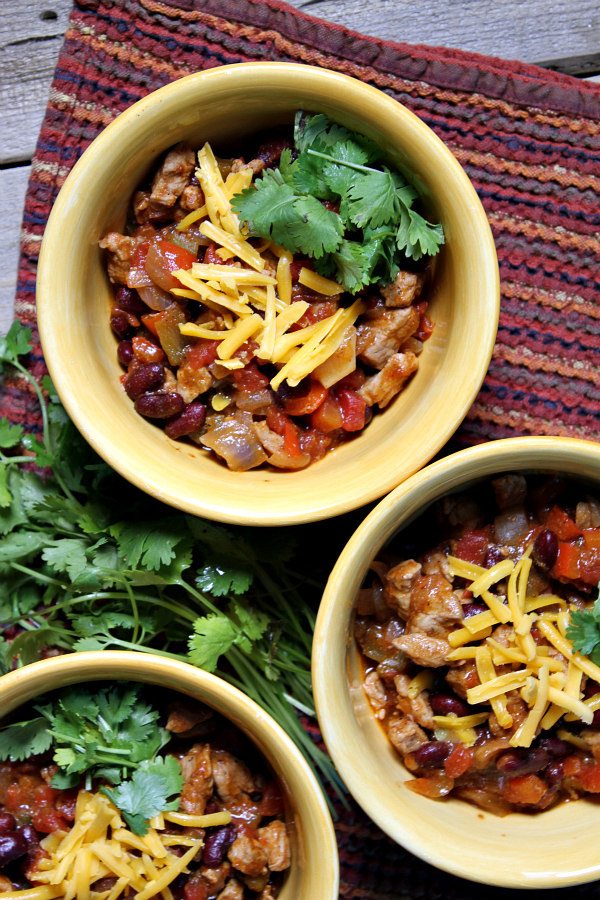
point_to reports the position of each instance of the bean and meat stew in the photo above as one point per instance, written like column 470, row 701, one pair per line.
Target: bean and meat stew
column 234, row 341
column 481, row 646
column 104, row 795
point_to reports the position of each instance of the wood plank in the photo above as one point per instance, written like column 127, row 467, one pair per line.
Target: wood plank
column 511, row 29
column 13, row 184
column 31, row 34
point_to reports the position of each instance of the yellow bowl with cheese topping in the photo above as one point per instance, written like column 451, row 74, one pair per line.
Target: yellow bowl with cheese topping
column 74, row 296
column 313, row 872
column 523, row 834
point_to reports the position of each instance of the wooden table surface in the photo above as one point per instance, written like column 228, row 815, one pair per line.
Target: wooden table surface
column 560, row 34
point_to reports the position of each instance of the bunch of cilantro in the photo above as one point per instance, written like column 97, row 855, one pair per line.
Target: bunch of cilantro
column 106, row 735
column 372, row 229
column 87, row 562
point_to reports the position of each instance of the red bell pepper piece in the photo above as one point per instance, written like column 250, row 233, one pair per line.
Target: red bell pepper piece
column 307, row 402
column 562, row 524
column 354, row 410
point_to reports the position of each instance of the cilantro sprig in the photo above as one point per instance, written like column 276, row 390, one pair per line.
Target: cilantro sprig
column 107, row 735
column 375, row 228
column 584, row 630
column 87, row 562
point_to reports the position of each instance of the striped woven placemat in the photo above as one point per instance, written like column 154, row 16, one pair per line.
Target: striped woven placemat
column 529, row 140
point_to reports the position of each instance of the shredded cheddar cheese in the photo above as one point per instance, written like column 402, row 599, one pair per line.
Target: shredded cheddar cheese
column 99, row 846
column 549, row 676
column 256, row 289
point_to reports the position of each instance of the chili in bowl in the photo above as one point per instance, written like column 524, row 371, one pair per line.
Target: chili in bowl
column 471, row 679
column 129, row 777
column 205, row 387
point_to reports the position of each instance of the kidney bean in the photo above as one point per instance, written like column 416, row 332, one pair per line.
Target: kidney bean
column 492, row 556
column 30, row 836
column 124, row 352
column 523, row 763
column 191, row 419
column 143, row 379
column 545, row 549
column 554, row 773
column 444, row 704
column 216, row 846
column 432, row 754
column 129, row 300
column 554, row 747
column 120, row 323
column 12, row 846
column 159, row 406
column 472, row 609
column 7, row 822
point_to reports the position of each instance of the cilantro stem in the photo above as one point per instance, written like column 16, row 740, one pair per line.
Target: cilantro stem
column 38, row 576
column 342, row 162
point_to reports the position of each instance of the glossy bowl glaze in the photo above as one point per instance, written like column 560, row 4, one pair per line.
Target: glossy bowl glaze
column 73, row 296
column 313, row 874
column 555, row 848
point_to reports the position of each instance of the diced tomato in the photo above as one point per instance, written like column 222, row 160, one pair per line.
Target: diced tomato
column 473, row 546
column 353, row 381
column 201, row 354
column 328, row 417
column 271, row 803
column 212, row 258
column 196, row 888
column 307, row 402
column 459, row 761
column 562, row 524
column 276, row 420
column 150, row 320
column 315, row 443
column 138, row 260
column 250, row 378
column 433, row 786
column 572, row 765
column 353, row 408
column 524, row 790
column 291, row 439
column 164, row 258
column 567, row 562
column 47, row 819
column 316, row 312
column 589, row 778
column 425, row 327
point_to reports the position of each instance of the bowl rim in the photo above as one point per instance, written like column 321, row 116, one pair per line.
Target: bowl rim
column 353, row 492
column 332, row 639
column 263, row 730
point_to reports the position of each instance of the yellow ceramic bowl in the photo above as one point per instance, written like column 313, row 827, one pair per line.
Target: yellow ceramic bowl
column 554, row 849
column 73, row 296
column 313, row 874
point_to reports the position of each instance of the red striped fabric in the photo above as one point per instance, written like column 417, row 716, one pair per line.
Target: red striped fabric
column 529, row 140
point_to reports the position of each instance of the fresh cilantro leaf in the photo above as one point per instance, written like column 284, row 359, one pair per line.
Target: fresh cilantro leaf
column 82, row 645
column 154, row 787
column 152, row 546
column 339, row 175
column 43, row 457
column 213, row 636
column 352, row 264
column 416, row 237
column 24, row 739
column 5, row 494
column 67, row 555
column 317, row 131
column 370, row 199
column 27, row 646
column 583, row 631
column 15, row 343
column 10, row 435
column 220, row 582
column 274, row 210
column 252, row 622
